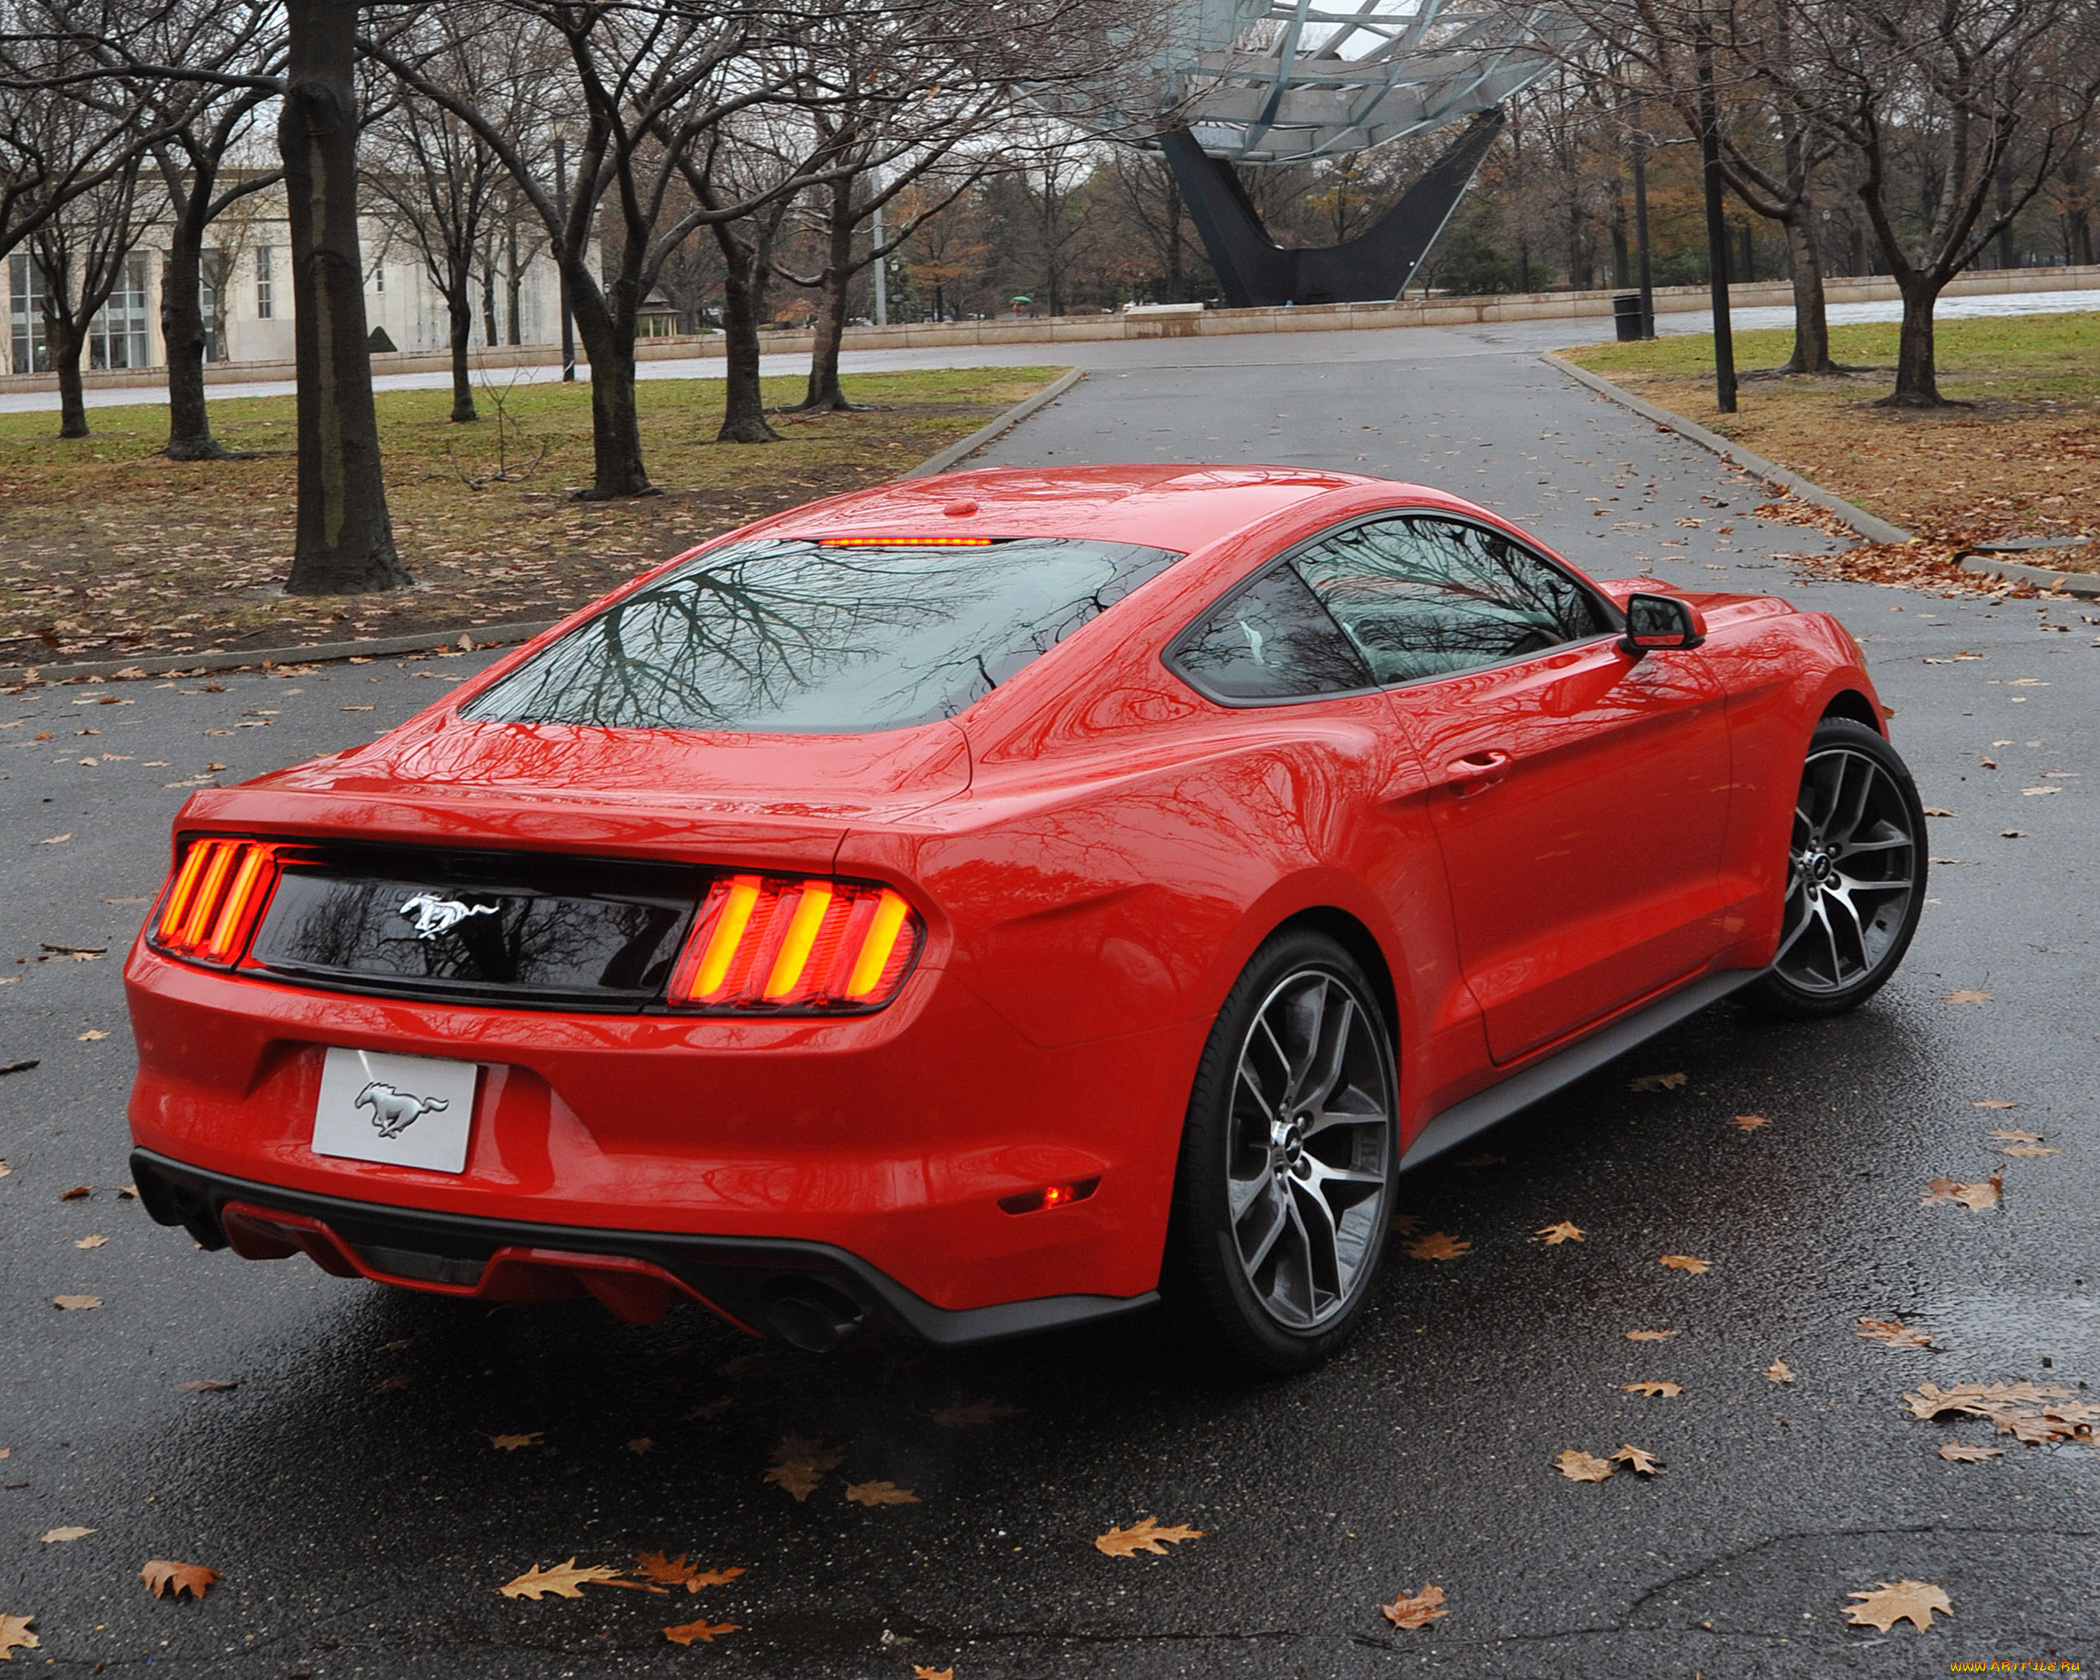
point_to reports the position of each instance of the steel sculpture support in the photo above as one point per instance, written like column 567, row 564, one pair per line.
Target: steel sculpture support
column 1375, row 266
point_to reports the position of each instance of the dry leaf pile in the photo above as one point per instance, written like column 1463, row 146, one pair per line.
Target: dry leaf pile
column 2032, row 1412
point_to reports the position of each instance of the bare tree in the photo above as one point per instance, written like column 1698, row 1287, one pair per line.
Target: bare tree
column 81, row 253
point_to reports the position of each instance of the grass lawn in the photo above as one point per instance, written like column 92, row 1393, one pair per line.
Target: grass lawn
column 108, row 548
column 2020, row 457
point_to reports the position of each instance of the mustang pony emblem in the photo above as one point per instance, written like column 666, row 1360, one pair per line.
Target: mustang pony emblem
column 433, row 915
column 393, row 1112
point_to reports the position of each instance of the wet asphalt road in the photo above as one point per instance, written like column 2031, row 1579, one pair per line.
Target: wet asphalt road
column 362, row 1524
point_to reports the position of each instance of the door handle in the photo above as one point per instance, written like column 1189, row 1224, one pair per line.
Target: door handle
column 1476, row 772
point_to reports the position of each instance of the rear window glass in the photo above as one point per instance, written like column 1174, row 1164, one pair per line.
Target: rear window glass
column 798, row 637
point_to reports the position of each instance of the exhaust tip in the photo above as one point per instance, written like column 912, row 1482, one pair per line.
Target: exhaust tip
column 812, row 1317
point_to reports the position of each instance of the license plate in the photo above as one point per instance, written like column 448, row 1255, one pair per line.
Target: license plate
column 408, row 1111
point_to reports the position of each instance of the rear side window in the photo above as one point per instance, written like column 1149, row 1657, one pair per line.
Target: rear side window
column 803, row 637
column 1270, row 641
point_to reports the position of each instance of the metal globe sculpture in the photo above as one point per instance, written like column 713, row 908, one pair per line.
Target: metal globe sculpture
column 1284, row 81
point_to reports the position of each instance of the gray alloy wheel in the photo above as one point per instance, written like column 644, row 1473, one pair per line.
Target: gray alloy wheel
column 1307, row 1171
column 1855, row 874
column 1288, row 1159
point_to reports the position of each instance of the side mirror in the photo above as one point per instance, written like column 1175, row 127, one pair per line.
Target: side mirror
column 1660, row 624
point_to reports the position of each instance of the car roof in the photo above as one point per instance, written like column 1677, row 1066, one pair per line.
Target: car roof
column 1179, row 506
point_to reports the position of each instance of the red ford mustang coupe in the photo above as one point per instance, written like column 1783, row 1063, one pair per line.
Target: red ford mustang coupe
column 1003, row 900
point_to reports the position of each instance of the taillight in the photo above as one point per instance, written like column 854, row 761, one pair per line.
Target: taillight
column 216, row 898
column 803, row 945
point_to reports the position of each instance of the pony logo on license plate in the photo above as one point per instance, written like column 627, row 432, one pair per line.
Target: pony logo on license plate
column 408, row 1111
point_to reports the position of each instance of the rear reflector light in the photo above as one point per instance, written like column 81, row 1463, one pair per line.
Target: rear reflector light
column 763, row 943
column 1050, row 1196
column 216, row 898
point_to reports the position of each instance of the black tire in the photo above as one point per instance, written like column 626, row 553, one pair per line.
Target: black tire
column 1856, row 864
column 1287, row 1144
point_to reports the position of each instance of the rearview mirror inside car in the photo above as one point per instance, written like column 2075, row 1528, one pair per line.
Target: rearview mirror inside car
column 1659, row 624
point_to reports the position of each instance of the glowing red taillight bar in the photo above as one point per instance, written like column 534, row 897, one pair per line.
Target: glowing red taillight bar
column 215, row 899
column 796, row 943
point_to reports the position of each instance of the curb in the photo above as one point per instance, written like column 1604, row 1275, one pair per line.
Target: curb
column 1873, row 529
column 957, row 452
column 487, row 635
column 2061, row 583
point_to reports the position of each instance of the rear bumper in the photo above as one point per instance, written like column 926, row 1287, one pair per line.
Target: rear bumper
column 634, row 1273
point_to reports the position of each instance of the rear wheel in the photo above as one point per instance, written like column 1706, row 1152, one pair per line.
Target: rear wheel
column 1288, row 1160
column 1855, row 876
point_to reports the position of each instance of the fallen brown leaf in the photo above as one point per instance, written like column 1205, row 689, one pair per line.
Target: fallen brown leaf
column 2003, row 1136
column 703, row 1630
column 640, row 1445
column 76, row 1303
column 1643, row 1463
column 1405, row 1224
column 1965, row 997
column 1954, row 1452
column 919, row 1671
column 209, row 1385
column 799, row 1464
column 1936, row 811
column 511, row 1443
column 677, row 1572
column 58, row 1536
column 1658, row 1082
column 1779, row 1372
column 710, row 1409
column 2031, row 1412
column 1905, row 1601
column 977, row 1415
column 97, row 1242
column 1654, row 1389
column 2030, row 1151
column 15, row 1636
column 1685, row 1263
column 77, row 1193
column 394, row 1385
column 91, row 1035
column 1889, row 1333
column 1438, row 1245
column 1145, row 1535
column 1649, row 1335
column 1562, row 1232
column 564, row 1580
column 1992, row 1102
column 1975, row 1197
column 1417, row 1611
column 880, row 1493
column 167, row 1579
column 1579, row 1466
column 1750, row 1122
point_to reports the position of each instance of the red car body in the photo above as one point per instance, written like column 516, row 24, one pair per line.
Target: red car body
column 1521, row 856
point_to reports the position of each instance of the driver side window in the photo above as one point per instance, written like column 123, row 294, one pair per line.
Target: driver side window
column 1425, row 596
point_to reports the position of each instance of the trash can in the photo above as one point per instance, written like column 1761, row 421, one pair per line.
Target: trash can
column 1626, row 315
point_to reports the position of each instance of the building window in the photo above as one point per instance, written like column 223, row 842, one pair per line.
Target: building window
column 379, row 279
column 117, row 334
column 265, row 285
column 25, row 316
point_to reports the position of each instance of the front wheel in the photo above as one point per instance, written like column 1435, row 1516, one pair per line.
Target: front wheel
column 1855, row 876
column 1288, row 1160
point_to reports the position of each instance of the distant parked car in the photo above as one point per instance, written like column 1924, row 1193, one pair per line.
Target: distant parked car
column 1003, row 900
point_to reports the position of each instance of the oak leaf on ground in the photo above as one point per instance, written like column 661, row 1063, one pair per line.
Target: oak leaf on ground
column 1993, row 1102
column 799, row 1463
column 1405, row 1224
column 1650, row 1335
column 15, row 1636
column 919, row 1671
column 1145, row 1535
column 98, row 1241
column 977, row 1415
column 165, row 1578
column 1977, row 1197
column 56, row 1536
column 703, row 1630
column 1579, row 1466
column 1658, row 1082
column 2030, row 1151
column 1778, row 1372
column 76, row 1303
column 564, row 1580
column 1890, row 1333
column 511, row 1443
column 1955, row 1452
column 1438, row 1245
column 880, row 1493
column 2028, row 1411
column 676, row 1572
column 1685, row 1263
column 1654, row 1389
column 1965, row 997
column 1416, row 1611
column 1562, row 1231
column 1750, row 1122
column 1634, row 1458
column 2002, row 1136
column 1888, row 1604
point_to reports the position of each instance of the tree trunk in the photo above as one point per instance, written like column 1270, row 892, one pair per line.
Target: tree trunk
column 345, row 539
column 460, row 308
column 616, row 431
column 743, row 294
column 824, row 395
column 182, row 328
column 1917, row 381
column 67, row 341
column 1811, row 323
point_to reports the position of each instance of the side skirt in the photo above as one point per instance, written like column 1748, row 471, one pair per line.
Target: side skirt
column 1497, row 1103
